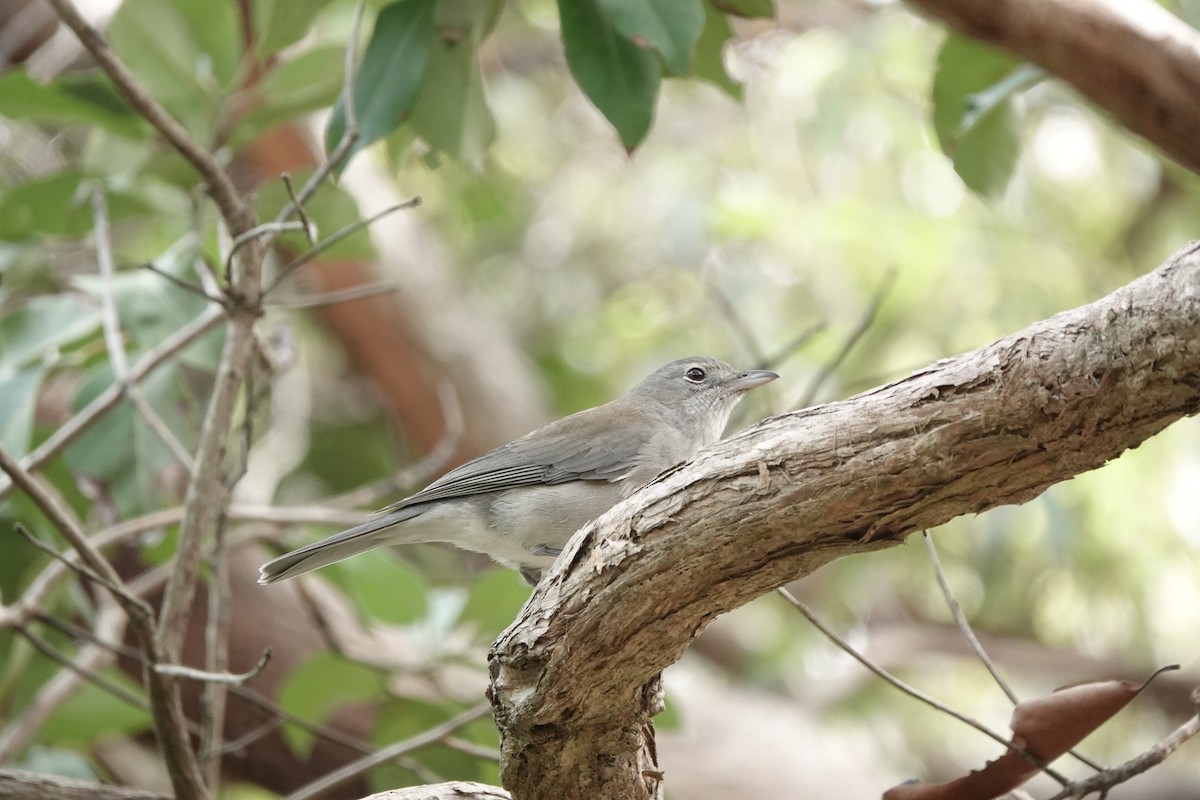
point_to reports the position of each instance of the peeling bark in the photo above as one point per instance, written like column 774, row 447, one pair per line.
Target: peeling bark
column 574, row 678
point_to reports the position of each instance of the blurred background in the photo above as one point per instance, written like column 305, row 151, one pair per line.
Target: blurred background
column 802, row 212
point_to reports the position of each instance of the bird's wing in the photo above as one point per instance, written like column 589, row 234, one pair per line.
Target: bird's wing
column 581, row 447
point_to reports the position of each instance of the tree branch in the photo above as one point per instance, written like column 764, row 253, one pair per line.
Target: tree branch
column 573, row 677
column 1132, row 57
column 20, row 785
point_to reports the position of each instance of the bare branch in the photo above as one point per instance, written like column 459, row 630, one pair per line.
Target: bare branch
column 324, row 245
column 960, row 620
column 164, row 700
column 389, row 753
column 226, row 678
column 912, row 692
column 106, row 400
column 19, row 785
column 1103, row 781
column 114, row 340
column 110, row 623
column 310, row 228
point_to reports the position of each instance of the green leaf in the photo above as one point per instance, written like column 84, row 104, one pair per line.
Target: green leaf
column 748, row 9
column 451, row 113
column 92, row 713
column 386, row 83
column 975, row 123
column 318, row 686
column 619, row 77
column 217, row 31
column 279, row 23
column 382, row 587
column 58, row 204
column 18, row 399
column 70, row 99
column 709, row 61
column 185, row 52
column 310, row 81
column 669, row 26
column 40, row 326
column 494, row 600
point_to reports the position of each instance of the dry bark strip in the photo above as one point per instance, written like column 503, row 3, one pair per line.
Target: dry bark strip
column 1132, row 57
column 575, row 676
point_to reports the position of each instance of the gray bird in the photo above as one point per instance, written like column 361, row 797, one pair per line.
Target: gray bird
column 521, row 502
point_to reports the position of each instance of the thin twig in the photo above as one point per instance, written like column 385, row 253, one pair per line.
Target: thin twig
column 114, row 340
column 187, row 286
column 960, row 620
column 310, row 228
column 279, row 714
column 84, row 670
column 976, row 646
column 341, row 296
column 1103, row 781
column 78, row 569
column 50, row 503
column 257, row 232
column 75, row 427
column 909, row 690
column 110, row 621
column 226, row 678
column 168, row 716
column 864, row 323
column 389, row 753
column 324, row 245
column 216, row 661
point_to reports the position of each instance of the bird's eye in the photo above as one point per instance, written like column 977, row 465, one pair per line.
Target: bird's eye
column 695, row 375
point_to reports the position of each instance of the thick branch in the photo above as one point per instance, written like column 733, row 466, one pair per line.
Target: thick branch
column 573, row 677
column 1132, row 57
column 20, row 785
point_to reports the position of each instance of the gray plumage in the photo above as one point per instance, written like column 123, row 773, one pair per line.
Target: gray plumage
column 521, row 502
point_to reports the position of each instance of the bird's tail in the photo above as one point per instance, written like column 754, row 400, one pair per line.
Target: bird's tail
column 337, row 547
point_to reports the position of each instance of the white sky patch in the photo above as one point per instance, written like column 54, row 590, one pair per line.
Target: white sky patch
column 1066, row 147
column 931, row 185
column 1183, row 502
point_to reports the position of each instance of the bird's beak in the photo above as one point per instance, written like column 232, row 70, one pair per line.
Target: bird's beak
column 745, row 381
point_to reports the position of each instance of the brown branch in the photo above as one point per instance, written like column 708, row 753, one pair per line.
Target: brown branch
column 19, row 785
column 164, row 700
column 109, row 622
column 1133, row 58
column 995, row 426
